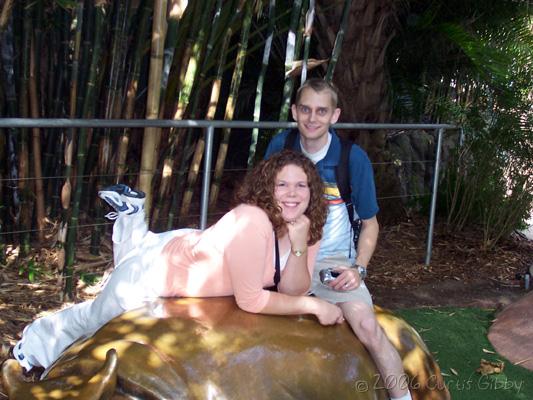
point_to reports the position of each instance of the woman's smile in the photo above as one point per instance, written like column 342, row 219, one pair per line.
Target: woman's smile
column 292, row 192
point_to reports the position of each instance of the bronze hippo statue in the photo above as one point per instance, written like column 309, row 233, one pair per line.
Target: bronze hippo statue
column 210, row 349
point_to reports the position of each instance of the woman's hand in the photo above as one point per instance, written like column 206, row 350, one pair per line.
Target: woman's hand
column 298, row 231
column 327, row 313
column 349, row 279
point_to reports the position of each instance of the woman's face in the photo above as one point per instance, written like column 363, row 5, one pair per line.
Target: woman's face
column 292, row 192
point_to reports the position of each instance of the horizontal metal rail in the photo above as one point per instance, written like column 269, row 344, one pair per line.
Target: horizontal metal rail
column 209, row 131
column 187, row 123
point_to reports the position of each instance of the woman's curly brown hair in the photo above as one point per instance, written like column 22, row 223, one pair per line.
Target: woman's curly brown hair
column 259, row 185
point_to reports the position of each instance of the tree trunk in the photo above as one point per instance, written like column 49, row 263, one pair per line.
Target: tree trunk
column 360, row 69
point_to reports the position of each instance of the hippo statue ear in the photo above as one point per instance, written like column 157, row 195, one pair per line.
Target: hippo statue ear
column 99, row 386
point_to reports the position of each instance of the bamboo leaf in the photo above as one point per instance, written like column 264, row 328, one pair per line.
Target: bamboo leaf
column 297, row 66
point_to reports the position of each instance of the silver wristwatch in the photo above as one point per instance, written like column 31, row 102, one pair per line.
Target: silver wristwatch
column 361, row 270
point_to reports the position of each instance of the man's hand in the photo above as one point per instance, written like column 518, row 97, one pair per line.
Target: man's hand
column 349, row 279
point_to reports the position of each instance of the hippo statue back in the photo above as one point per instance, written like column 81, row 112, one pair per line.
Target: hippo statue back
column 210, row 349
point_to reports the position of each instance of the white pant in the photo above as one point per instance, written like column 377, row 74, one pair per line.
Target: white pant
column 139, row 276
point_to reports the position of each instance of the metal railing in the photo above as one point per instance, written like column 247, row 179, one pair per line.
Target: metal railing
column 209, row 132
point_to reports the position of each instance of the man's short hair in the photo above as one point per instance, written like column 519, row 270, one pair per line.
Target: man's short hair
column 319, row 85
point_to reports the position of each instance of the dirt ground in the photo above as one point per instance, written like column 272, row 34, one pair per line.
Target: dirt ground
column 461, row 274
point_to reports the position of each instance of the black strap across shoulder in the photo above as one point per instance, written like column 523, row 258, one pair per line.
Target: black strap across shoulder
column 277, row 273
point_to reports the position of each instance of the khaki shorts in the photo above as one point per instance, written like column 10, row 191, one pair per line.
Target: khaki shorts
column 361, row 294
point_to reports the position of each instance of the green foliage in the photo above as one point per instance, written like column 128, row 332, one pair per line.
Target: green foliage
column 448, row 51
column 32, row 270
column 90, row 278
column 490, row 181
column 470, row 65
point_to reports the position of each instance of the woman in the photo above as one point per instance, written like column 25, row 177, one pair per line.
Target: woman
column 269, row 240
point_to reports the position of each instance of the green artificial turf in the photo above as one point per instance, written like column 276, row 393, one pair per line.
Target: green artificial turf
column 458, row 337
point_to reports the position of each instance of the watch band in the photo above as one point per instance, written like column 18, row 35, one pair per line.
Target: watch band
column 361, row 270
column 298, row 253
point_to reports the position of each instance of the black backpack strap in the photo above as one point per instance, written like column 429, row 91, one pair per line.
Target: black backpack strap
column 342, row 174
column 290, row 140
column 277, row 273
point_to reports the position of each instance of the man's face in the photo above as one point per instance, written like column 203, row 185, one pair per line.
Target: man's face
column 315, row 113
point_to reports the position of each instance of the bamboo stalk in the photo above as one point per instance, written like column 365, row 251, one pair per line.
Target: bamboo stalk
column 5, row 15
column 309, row 18
column 177, row 10
column 132, row 88
column 261, row 80
column 230, row 106
column 10, row 97
column 88, row 110
column 55, row 92
column 66, row 190
column 36, row 147
column 111, row 111
column 24, row 157
column 289, row 59
column 338, row 41
column 192, row 29
column 196, row 161
column 152, row 135
column 86, row 51
column 212, row 106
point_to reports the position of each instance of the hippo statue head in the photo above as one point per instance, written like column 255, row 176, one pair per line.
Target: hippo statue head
column 210, row 349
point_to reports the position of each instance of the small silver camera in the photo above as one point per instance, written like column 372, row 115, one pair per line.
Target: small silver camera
column 327, row 275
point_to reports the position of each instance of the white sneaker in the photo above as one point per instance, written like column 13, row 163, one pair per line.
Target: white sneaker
column 123, row 200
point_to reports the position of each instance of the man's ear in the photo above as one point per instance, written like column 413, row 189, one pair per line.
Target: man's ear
column 335, row 116
column 294, row 113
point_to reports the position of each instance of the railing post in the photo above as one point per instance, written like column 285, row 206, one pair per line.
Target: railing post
column 206, row 182
column 434, row 196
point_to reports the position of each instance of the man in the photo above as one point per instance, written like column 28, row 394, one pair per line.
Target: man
column 315, row 110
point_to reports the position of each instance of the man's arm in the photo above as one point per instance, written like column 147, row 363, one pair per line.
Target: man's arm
column 350, row 278
column 365, row 201
column 368, row 239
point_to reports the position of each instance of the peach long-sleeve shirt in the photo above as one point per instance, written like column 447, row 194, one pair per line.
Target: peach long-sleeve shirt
column 235, row 256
